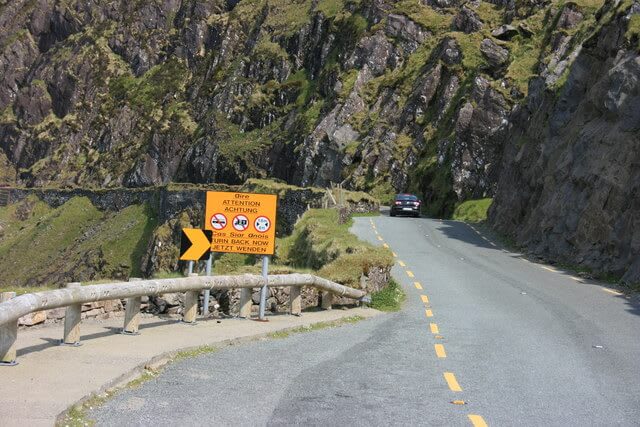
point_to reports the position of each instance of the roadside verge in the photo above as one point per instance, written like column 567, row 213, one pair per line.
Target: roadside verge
column 51, row 378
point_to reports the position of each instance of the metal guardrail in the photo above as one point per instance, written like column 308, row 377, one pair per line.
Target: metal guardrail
column 75, row 295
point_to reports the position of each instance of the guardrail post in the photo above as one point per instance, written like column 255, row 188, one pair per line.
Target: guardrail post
column 327, row 300
column 132, row 314
column 8, row 336
column 245, row 303
column 72, row 317
column 190, row 304
column 295, row 300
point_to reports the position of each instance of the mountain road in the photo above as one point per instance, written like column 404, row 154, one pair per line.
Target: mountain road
column 485, row 337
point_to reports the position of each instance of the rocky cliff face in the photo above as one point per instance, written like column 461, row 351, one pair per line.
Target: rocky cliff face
column 382, row 95
column 570, row 186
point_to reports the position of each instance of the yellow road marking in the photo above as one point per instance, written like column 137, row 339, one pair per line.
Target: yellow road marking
column 380, row 238
column 402, row 264
column 395, row 255
column 425, row 299
column 452, row 382
column 577, row 279
column 410, row 274
column 440, row 351
column 434, row 328
column 611, row 291
column 417, row 285
column 477, row 421
column 375, row 231
column 549, row 269
column 428, row 312
column 385, row 246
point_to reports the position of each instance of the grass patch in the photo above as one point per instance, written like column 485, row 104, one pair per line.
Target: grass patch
column 315, row 327
column 389, row 298
column 472, row 210
column 43, row 246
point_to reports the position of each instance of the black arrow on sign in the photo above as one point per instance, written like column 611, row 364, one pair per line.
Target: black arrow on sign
column 195, row 244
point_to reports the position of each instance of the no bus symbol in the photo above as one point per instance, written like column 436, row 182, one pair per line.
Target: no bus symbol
column 262, row 224
column 240, row 222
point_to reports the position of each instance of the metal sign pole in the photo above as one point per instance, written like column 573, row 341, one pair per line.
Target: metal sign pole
column 207, row 292
column 190, row 270
column 263, row 291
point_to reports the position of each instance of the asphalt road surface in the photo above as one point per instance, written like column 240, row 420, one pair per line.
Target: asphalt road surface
column 484, row 337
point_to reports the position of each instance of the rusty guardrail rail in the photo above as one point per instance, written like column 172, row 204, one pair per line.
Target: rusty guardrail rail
column 74, row 295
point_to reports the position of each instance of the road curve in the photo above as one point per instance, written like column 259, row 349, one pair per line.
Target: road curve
column 488, row 339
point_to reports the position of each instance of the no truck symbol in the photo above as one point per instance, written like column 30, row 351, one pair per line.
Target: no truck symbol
column 240, row 222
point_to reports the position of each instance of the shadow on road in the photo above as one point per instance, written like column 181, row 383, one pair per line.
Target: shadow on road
column 463, row 232
column 109, row 331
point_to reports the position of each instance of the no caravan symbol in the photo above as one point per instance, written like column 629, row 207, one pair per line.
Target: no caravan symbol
column 240, row 222
column 218, row 221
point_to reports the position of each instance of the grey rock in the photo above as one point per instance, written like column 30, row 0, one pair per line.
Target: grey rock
column 497, row 57
column 568, row 190
column 505, row 32
column 467, row 21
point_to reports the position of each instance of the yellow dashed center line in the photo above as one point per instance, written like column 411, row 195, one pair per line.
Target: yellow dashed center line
column 386, row 246
column 477, row 421
column 380, row 238
column 452, row 382
column 417, row 285
column 402, row 264
column 410, row 274
column 395, row 255
column 611, row 291
column 428, row 312
column 440, row 351
column 425, row 299
column 375, row 231
column 549, row 269
column 434, row 328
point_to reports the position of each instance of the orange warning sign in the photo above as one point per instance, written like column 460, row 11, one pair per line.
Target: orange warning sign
column 243, row 223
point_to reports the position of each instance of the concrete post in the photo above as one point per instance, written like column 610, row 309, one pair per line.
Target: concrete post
column 327, row 300
column 132, row 314
column 8, row 336
column 295, row 300
column 72, row 318
column 190, row 304
column 245, row 303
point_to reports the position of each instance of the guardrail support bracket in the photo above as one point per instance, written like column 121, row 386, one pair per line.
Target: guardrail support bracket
column 132, row 316
column 8, row 337
column 295, row 300
column 190, row 306
column 72, row 317
column 327, row 300
column 245, row 302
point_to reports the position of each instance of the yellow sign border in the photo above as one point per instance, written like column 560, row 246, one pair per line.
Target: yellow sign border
column 241, row 210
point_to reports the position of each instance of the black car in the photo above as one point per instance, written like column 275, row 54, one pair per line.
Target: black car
column 405, row 204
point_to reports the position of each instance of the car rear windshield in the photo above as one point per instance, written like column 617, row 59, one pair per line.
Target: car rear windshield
column 405, row 197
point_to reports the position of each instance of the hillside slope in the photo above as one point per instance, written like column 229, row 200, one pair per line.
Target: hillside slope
column 570, row 186
column 382, row 95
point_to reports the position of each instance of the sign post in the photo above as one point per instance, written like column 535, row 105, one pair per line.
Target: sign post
column 243, row 223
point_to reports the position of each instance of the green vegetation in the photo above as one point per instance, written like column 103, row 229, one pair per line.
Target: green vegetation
column 472, row 210
column 315, row 327
column 319, row 242
column 389, row 298
column 39, row 244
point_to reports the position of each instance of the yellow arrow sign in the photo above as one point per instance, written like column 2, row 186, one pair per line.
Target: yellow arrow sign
column 195, row 244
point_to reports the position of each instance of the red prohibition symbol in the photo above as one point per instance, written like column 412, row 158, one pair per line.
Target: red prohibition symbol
column 218, row 221
column 262, row 224
column 240, row 222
